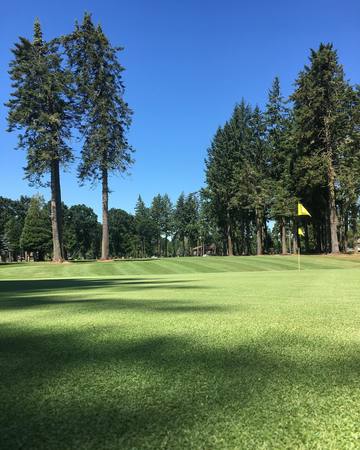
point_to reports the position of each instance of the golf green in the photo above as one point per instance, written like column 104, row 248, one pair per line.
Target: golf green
column 198, row 353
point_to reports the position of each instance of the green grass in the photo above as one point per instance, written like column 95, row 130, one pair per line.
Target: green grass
column 202, row 353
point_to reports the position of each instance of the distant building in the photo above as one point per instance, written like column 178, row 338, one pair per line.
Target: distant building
column 203, row 250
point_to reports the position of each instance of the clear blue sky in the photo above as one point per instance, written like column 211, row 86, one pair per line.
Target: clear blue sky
column 187, row 63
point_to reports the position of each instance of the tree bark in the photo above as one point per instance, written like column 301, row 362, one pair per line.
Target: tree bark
column 332, row 213
column 295, row 237
column 105, row 216
column 283, row 236
column 346, row 230
column 333, row 222
column 56, row 216
column 230, row 250
column 259, row 237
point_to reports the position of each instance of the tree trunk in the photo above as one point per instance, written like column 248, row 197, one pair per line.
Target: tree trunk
column 56, row 216
column 346, row 230
column 283, row 236
column 230, row 251
column 332, row 216
column 295, row 237
column 259, row 237
column 105, row 216
column 334, row 242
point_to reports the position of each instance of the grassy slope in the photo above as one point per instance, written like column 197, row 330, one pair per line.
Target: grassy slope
column 258, row 359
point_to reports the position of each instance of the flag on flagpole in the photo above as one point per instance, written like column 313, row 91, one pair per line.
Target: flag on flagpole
column 301, row 232
column 302, row 211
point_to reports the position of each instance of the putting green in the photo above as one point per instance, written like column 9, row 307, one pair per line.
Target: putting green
column 184, row 353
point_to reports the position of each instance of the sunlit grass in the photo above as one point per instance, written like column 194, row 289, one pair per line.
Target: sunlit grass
column 177, row 354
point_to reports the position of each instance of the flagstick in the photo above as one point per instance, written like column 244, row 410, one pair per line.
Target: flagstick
column 299, row 267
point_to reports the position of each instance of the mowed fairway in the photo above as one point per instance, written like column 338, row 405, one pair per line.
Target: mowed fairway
column 202, row 353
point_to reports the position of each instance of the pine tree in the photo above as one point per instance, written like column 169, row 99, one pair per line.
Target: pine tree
column 40, row 109
column 192, row 219
column 220, row 163
column 13, row 230
column 167, row 220
column 36, row 234
column 278, row 128
column 180, row 221
column 145, row 228
column 156, row 214
column 322, row 124
column 104, row 116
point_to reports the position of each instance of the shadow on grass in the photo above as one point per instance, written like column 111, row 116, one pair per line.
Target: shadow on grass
column 100, row 389
column 123, row 385
column 31, row 293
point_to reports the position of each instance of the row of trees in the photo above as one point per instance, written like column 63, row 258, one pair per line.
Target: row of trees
column 305, row 148
column 70, row 86
column 160, row 229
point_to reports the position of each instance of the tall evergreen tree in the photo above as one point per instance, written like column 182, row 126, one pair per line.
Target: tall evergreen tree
column 180, row 221
column 156, row 214
column 167, row 220
column 322, row 125
column 104, row 116
column 219, row 171
column 192, row 219
column 145, row 227
column 40, row 109
column 283, row 202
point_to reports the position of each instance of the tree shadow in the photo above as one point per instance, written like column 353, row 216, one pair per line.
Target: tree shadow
column 32, row 293
column 108, row 388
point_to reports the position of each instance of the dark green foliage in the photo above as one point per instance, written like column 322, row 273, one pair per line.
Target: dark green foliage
column 12, row 217
column 167, row 221
column 13, row 230
column 122, row 233
column 36, row 233
column 5, row 248
column 40, row 110
column 260, row 164
column 192, row 220
column 326, row 140
column 103, row 115
column 145, row 229
column 180, row 221
column 156, row 215
column 80, row 232
column 39, row 107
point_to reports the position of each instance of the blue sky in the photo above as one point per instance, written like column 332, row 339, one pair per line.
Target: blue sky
column 187, row 64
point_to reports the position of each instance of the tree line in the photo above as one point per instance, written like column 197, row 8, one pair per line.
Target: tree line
column 159, row 230
column 304, row 148
column 259, row 165
column 67, row 88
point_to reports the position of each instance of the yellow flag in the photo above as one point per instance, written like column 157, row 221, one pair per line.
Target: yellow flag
column 302, row 211
column 301, row 232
